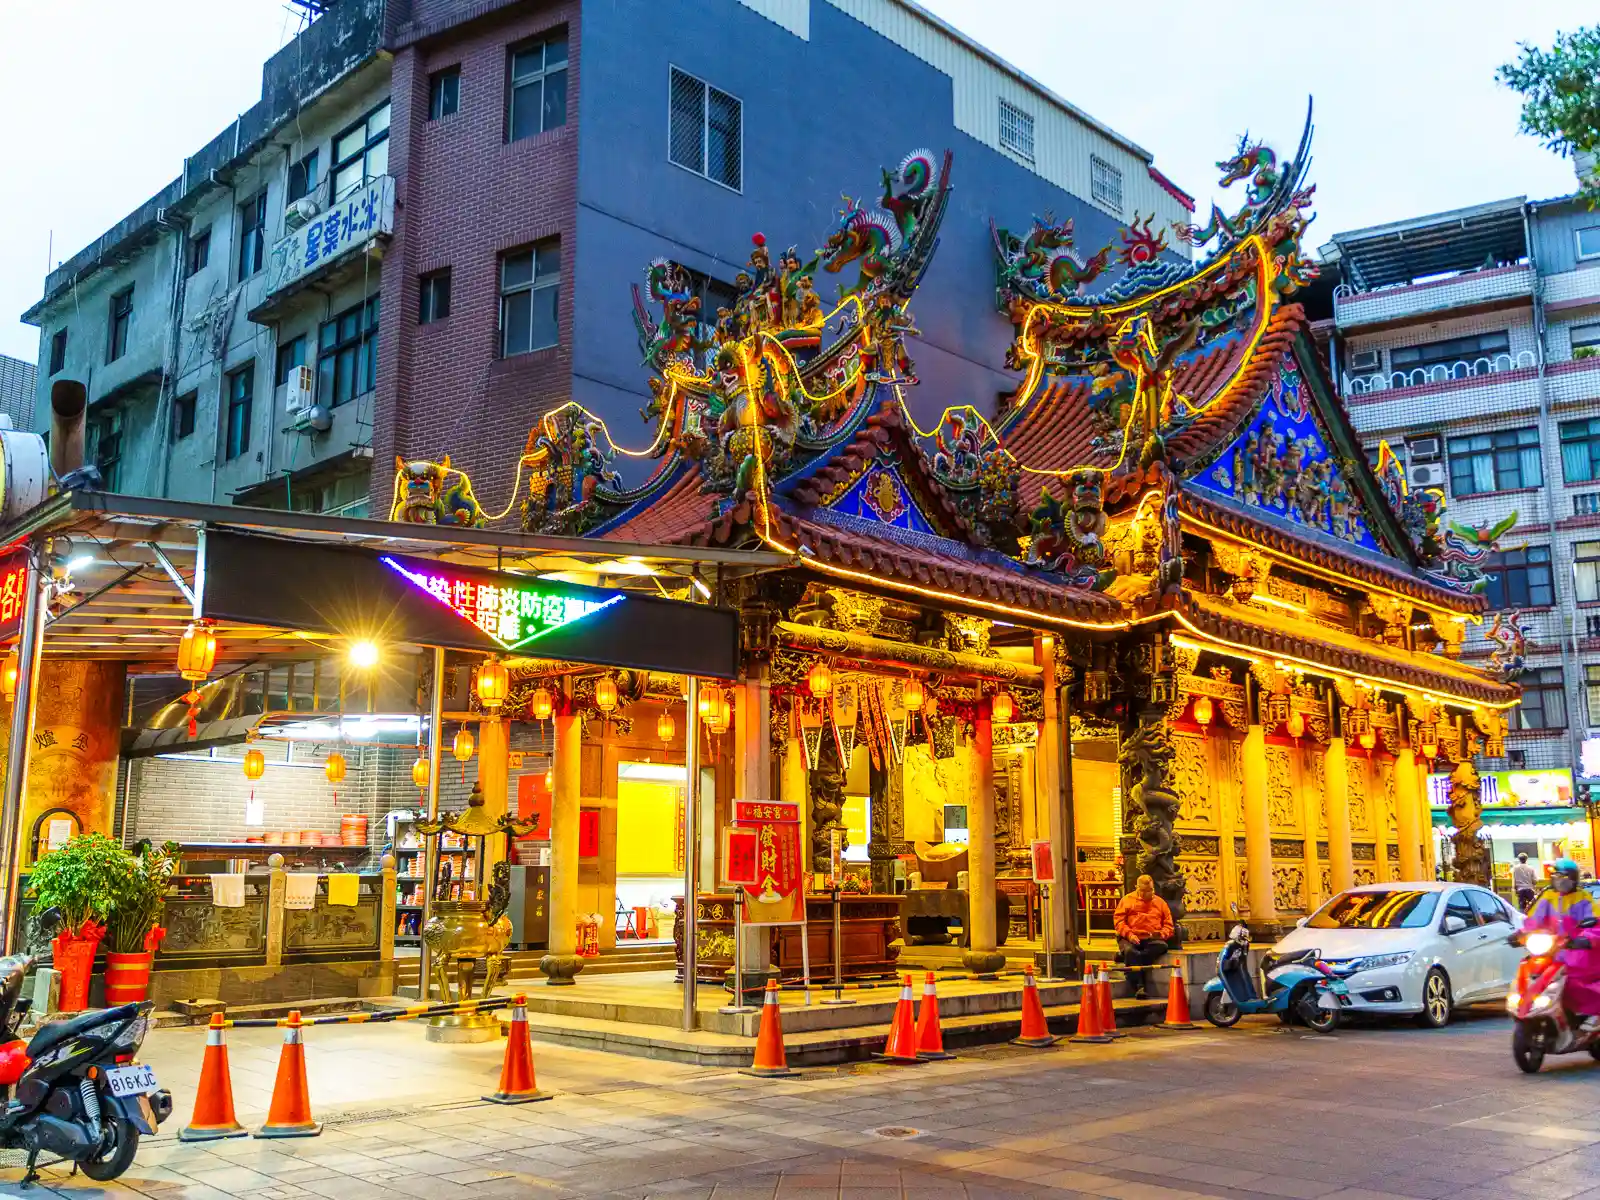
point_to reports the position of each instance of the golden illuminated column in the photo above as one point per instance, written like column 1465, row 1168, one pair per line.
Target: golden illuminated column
column 793, row 782
column 1341, row 863
column 982, row 957
column 494, row 771
column 1407, row 816
column 562, row 963
column 1258, row 829
column 1430, row 844
column 752, row 775
column 1051, row 799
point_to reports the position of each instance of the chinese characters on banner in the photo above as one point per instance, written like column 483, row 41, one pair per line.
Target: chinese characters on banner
column 1044, row 863
column 778, row 894
column 351, row 222
column 512, row 615
column 741, row 856
column 13, row 594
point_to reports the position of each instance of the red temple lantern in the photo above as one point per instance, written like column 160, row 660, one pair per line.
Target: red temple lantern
column 1204, row 711
column 542, row 704
column 493, row 684
column 819, row 680
column 1001, row 708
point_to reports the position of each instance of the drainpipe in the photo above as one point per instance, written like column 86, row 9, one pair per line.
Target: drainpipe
column 1571, row 685
column 169, row 366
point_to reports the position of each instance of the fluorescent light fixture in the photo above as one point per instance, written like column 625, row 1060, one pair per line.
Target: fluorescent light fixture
column 78, row 562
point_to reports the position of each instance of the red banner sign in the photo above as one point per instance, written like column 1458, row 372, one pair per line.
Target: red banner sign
column 745, row 810
column 13, row 594
column 741, row 856
column 777, row 895
column 1044, row 863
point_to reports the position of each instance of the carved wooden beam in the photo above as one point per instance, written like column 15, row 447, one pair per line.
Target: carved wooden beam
column 904, row 655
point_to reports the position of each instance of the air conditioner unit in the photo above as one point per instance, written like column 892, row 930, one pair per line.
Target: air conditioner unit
column 1364, row 361
column 299, row 390
column 1427, row 475
column 301, row 211
column 1425, row 449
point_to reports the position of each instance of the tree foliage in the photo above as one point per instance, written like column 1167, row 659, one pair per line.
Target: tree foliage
column 1560, row 90
column 82, row 879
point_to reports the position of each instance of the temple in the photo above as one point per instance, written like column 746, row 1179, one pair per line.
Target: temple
column 1154, row 612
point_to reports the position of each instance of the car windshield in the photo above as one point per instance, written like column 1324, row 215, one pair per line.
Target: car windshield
column 1395, row 908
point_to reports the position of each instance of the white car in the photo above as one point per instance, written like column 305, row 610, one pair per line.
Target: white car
column 1418, row 948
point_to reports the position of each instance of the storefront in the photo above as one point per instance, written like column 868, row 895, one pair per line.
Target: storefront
column 1523, row 812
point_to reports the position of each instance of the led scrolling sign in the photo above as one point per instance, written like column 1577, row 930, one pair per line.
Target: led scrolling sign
column 514, row 615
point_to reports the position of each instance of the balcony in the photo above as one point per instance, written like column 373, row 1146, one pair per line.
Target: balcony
column 1472, row 291
column 1502, row 383
column 331, row 244
column 1572, row 289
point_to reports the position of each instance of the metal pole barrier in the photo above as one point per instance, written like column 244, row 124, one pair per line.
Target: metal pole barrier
column 30, row 642
column 738, row 1005
column 1049, row 975
column 430, row 854
column 838, row 953
column 691, row 850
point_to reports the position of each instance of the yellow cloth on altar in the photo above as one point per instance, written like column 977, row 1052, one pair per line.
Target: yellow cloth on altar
column 344, row 889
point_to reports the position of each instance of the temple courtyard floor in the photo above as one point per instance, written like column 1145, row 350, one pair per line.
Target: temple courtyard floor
column 1260, row 1112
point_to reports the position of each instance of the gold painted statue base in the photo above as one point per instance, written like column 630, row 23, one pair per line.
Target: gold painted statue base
column 461, row 1028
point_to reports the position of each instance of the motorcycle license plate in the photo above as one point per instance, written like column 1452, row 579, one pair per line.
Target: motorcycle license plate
column 1339, row 987
column 137, row 1080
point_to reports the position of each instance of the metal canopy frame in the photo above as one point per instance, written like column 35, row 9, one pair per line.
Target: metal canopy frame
column 1459, row 240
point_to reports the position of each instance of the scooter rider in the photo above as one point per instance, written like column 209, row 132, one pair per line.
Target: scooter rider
column 1560, row 910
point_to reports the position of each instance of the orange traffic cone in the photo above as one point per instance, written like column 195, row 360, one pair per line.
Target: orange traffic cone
column 770, row 1061
column 1108, row 1010
column 289, row 1115
column 902, row 1044
column 517, row 1084
column 1177, row 1002
column 930, row 1038
column 1034, row 1030
column 213, row 1103
column 1089, row 1010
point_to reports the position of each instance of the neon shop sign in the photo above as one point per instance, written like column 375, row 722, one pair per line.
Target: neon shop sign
column 514, row 613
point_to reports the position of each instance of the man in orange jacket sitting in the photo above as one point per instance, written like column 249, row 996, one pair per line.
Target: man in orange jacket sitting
column 1144, row 924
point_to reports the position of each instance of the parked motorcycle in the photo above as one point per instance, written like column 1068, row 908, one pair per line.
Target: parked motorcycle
column 76, row 1091
column 1296, row 985
column 1543, row 1023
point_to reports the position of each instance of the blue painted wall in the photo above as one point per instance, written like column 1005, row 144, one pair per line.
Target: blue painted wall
column 1555, row 237
column 820, row 117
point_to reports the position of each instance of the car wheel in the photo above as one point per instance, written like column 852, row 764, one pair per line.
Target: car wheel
column 1221, row 1011
column 1437, row 1002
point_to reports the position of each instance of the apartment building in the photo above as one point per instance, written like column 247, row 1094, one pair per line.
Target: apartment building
column 1470, row 341
column 423, row 236
column 17, row 384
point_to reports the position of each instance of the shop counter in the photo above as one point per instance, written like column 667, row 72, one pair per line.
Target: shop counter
column 869, row 926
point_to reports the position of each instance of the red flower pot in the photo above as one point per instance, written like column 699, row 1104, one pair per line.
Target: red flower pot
column 128, row 975
column 74, row 961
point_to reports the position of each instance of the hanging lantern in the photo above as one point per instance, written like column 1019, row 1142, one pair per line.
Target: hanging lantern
column 255, row 764
column 605, row 693
column 8, row 676
column 461, row 747
column 419, row 772
column 1368, row 738
column 550, row 780
column 721, row 716
column 666, row 727
column 1204, row 711
column 913, row 695
column 542, row 704
column 493, row 684
column 1001, row 708
column 197, row 651
column 707, row 705
column 334, row 768
column 819, row 680
column 1296, row 725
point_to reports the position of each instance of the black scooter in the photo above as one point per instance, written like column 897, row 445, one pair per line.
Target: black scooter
column 76, row 1091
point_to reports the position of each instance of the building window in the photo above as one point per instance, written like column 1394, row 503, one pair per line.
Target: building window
column 198, row 252
column 347, row 355
column 1585, row 341
column 1591, row 693
column 108, row 452
column 1016, row 130
column 290, row 355
column 444, row 93
column 361, row 152
column 58, row 351
column 433, row 297
column 1586, row 571
column 705, row 131
column 1463, row 352
column 1495, row 462
column 1105, row 183
column 252, row 235
column 1580, row 450
column 538, row 87
column 241, row 385
column 1544, row 699
column 530, row 298
column 121, row 320
column 303, row 177
column 1519, row 578
column 183, row 410
column 1586, row 504
column 1589, row 241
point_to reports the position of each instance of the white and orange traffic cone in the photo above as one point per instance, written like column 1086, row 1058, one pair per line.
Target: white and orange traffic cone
column 930, row 1037
column 902, row 1044
column 1089, row 1010
column 1035, row 1032
column 1177, row 1002
column 1108, row 1010
column 517, row 1082
column 213, row 1102
column 770, row 1061
column 290, row 1112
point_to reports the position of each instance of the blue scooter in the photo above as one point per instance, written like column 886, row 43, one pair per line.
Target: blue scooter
column 1291, row 985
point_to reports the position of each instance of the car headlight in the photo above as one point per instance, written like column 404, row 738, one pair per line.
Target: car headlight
column 1540, row 944
column 1376, row 961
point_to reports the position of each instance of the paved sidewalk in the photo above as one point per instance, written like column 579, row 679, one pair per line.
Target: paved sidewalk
column 1261, row 1112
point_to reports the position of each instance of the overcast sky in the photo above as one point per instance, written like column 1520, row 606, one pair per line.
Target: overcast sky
column 104, row 98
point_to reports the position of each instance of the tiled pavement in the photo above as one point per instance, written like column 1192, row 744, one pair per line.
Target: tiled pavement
column 1256, row 1113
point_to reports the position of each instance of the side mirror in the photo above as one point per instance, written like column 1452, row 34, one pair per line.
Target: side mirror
column 1300, row 923
column 1453, row 924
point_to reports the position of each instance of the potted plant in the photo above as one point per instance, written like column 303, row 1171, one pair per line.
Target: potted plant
column 134, row 929
column 80, row 881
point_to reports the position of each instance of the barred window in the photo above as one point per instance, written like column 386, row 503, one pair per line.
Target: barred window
column 1016, row 130
column 1105, row 183
column 705, row 131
